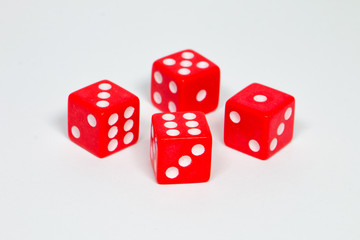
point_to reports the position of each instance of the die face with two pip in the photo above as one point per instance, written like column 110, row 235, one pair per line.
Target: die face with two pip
column 103, row 118
column 259, row 121
column 185, row 81
column 180, row 147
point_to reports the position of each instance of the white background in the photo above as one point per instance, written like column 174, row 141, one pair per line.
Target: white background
column 52, row 189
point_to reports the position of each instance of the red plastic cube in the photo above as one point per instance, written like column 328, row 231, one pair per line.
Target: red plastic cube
column 185, row 81
column 180, row 148
column 103, row 118
column 259, row 121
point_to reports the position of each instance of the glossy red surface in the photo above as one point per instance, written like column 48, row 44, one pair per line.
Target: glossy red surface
column 185, row 81
column 103, row 118
column 259, row 121
column 180, row 148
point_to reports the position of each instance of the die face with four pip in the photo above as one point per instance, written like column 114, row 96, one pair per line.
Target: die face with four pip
column 259, row 121
column 185, row 81
column 103, row 118
column 180, row 147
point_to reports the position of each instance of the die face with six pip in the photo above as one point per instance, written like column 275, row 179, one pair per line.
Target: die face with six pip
column 180, row 147
column 185, row 81
column 103, row 118
column 259, row 121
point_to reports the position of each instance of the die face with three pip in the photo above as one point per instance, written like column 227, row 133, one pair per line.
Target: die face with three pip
column 185, row 81
column 180, row 147
column 259, row 121
column 103, row 118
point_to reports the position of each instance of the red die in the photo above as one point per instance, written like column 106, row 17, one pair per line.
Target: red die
column 185, row 81
column 259, row 121
column 180, row 148
column 103, row 118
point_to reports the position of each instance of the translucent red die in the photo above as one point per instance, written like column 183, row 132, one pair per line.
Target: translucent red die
column 185, row 81
column 259, row 121
column 103, row 118
column 180, row 148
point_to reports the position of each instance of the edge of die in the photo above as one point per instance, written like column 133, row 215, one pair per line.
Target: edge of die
column 177, row 183
column 262, row 85
column 72, row 97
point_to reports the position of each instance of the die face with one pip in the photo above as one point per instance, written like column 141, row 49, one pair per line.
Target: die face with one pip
column 259, row 121
column 103, row 118
column 185, row 81
column 180, row 148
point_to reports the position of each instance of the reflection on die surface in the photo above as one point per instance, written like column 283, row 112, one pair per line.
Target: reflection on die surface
column 185, row 81
column 180, row 147
column 259, row 121
column 103, row 118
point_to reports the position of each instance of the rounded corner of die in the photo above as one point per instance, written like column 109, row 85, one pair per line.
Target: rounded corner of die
column 292, row 99
column 155, row 65
column 104, row 81
column 254, row 84
column 228, row 103
column 70, row 96
column 189, row 50
column 137, row 101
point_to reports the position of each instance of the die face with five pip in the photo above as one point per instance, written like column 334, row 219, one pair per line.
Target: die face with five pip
column 259, row 121
column 180, row 147
column 103, row 118
column 185, row 81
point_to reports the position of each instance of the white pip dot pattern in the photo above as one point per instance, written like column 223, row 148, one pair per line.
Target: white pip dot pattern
column 129, row 111
column 105, row 86
column 192, row 124
column 128, row 138
column 75, row 131
column 157, row 97
column 168, row 117
column 102, row 104
column 280, row 129
column 234, row 117
column 103, row 95
column 202, row 64
column 113, row 132
column 189, row 116
column 201, row 95
column 260, row 98
column 198, row 149
column 185, row 161
column 91, row 120
column 158, row 77
column 172, row 172
column 184, row 71
column 273, row 144
column 113, row 119
column 186, row 63
column 171, row 125
column 169, row 61
column 172, row 87
column 187, row 55
column 182, row 68
column 173, row 132
column 253, row 144
column 288, row 113
column 153, row 149
column 112, row 145
column 127, row 127
column 172, row 106
column 194, row 131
